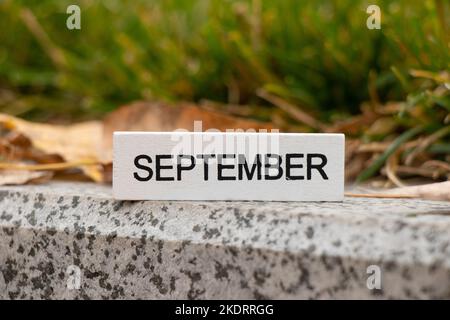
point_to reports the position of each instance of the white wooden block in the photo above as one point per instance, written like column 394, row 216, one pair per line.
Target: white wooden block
column 228, row 166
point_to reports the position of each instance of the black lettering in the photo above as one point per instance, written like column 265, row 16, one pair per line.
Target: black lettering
column 205, row 158
column 160, row 167
column 290, row 166
column 142, row 167
column 268, row 165
column 184, row 168
column 318, row 167
column 242, row 165
column 221, row 166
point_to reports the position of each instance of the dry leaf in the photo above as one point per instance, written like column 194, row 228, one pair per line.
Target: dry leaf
column 17, row 177
column 432, row 191
column 88, row 145
column 16, row 146
column 31, row 152
column 354, row 161
column 79, row 143
column 354, row 125
column 157, row 116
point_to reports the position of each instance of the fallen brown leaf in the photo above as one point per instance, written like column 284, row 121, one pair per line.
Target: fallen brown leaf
column 16, row 177
column 88, row 145
column 33, row 152
column 378, row 195
column 432, row 191
column 158, row 116
column 75, row 143
column 16, row 146
column 354, row 125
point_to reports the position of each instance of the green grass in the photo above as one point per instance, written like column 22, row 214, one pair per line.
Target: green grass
column 316, row 54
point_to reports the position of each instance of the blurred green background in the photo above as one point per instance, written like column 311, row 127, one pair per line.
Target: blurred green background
column 318, row 55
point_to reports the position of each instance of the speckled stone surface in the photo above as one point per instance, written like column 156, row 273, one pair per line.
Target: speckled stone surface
column 221, row 250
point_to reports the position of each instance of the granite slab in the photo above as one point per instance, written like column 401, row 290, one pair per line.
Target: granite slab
column 72, row 240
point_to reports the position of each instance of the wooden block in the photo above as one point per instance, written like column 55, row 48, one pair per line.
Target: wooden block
column 228, row 166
